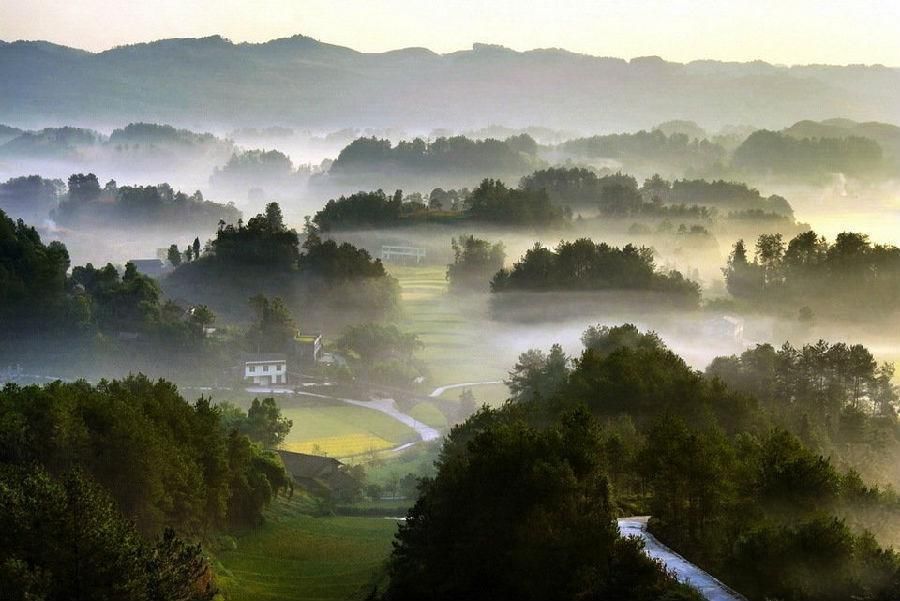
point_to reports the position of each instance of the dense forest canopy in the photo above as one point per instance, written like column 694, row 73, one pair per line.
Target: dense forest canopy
column 115, row 469
column 492, row 202
column 264, row 256
column 728, row 482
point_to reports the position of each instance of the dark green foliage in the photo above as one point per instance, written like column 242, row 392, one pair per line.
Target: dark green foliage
column 165, row 462
column 264, row 241
column 475, row 261
column 333, row 262
column 274, row 330
column 517, row 512
column 35, row 295
column 264, row 257
column 493, row 202
column 261, row 423
column 537, row 375
column 63, row 539
column 584, row 265
column 363, row 210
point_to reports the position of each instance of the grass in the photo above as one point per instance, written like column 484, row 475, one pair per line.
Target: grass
column 451, row 328
column 429, row 414
column 297, row 557
column 341, row 430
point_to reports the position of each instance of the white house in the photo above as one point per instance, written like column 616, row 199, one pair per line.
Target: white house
column 266, row 369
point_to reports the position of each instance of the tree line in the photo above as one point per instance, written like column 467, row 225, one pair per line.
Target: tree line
column 851, row 276
column 96, row 480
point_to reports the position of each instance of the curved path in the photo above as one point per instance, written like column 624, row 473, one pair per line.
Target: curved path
column 388, row 407
column 442, row 389
column 683, row 570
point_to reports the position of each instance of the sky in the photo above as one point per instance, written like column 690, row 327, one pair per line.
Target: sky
column 777, row 31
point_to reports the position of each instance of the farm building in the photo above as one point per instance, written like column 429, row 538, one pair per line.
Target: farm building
column 266, row 369
column 317, row 475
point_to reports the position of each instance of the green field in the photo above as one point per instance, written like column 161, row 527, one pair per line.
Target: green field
column 452, row 329
column 341, row 430
column 298, row 557
column 429, row 414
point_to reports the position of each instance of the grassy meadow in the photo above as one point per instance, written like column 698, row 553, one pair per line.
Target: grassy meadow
column 452, row 329
column 297, row 557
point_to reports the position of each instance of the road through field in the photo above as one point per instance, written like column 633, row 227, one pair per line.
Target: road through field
column 684, row 571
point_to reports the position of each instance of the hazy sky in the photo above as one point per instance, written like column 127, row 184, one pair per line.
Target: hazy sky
column 782, row 31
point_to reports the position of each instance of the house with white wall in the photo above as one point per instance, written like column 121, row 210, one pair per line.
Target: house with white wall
column 266, row 369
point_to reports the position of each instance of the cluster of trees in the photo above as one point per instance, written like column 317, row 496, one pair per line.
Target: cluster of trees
column 475, row 261
column 455, row 154
column 619, row 195
column 87, row 201
column 675, row 152
column 255, row 168
column 96, row 480
column 154, row 137
column 780, row 154
column 519, row 498
column 629, row 427
column 805, row 151
column 264, row 256
column 31, row 198
column 39, row 296
column 381, row 353
column 586, row 265
column 491, row 202
column 829, row 392
column 843, row 277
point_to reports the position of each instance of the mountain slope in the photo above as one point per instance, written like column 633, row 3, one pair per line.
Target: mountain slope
column 299, row 81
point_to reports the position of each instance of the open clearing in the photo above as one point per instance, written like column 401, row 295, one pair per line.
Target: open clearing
column 298, row 557
column 452, row 329
column 341, row 430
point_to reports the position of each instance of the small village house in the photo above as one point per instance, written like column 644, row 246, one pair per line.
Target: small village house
column 266, row 369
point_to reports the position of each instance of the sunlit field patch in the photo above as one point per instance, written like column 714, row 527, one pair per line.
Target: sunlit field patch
column 343, row 430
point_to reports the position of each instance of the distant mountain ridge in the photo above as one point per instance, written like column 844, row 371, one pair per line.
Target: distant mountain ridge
column 301, row 82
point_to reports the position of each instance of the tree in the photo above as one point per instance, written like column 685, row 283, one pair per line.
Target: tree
column 196, row 247
column 537, row 375
column 475, row 262
column 202, row 317
column 275, row 329
column 519, row 499
column 174, row 256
